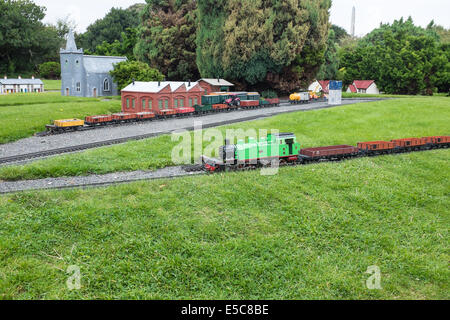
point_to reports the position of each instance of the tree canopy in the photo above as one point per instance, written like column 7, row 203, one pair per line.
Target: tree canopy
column 110, row 28
column 25, row 42
column 262, row 43
column 127, row 71
column 167, row 38
column 401, row 57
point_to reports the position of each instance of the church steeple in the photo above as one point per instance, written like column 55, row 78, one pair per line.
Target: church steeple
column 71, row 46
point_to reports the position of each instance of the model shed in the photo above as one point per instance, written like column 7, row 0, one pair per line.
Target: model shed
column 163, row 95
column 215, row 85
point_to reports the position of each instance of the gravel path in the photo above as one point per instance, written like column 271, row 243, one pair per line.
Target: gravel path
column 39, row 144
column 93, row 180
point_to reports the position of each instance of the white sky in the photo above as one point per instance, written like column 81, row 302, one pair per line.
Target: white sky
column 369, row 13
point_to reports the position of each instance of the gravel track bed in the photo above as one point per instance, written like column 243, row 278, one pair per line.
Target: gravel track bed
column 40, row 144
column 92, row 180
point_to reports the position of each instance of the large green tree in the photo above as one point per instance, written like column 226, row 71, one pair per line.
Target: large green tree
column 330, row 68
column 119, row 48
column 263, row 42
column 127, row 71
column 110, row 28
column 401, row 57
column 167, row 38
column 25, row 42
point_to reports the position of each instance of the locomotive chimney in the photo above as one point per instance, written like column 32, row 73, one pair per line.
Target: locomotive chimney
column 189, row 83
column 134, row 81
column 159, row 83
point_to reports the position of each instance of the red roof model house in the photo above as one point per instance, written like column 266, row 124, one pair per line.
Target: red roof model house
column 363, row 86
column 320, row 85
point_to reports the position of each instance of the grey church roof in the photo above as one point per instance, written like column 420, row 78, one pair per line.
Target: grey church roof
column 20, row 81
column 100, row 64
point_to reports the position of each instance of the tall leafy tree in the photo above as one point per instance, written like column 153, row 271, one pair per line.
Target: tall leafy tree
column 339, row 33
column 262, row 43
column 167, row 38
column 109, row 29
column 119, row 48
column 127, row 71
column 401, row 57
column 25, row 41
column 330, row 68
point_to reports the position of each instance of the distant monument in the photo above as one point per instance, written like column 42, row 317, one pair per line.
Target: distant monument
column 353, row 22
column 86, row 76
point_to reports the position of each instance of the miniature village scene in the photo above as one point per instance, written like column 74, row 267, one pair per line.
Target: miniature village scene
column 229, row 150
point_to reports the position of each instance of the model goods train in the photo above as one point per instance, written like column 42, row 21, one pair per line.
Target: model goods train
column 213, row 103
column 286, row 149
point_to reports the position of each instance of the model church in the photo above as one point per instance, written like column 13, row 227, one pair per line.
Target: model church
column 86, row 76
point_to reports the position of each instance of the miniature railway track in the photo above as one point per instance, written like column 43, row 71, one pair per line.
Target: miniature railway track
column 81, row 147
column 190, row 170
column 182, row 116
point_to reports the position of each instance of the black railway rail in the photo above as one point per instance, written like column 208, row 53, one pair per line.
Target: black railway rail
column 194, row 170
column 81, row 147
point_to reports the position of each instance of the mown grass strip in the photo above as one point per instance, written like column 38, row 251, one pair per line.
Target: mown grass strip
column 307, row 233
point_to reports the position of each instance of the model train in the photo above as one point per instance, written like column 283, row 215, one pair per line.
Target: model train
column 285, row 148
column 212, row 103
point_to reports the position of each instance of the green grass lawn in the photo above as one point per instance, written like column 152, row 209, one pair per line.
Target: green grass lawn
column 381, row 120
column 22, row 115
column 366, row 95
column 52, row 84
column 309, row 232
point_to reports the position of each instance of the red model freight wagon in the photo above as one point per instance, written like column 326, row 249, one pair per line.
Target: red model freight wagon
column 329, row 152
column 102, row 119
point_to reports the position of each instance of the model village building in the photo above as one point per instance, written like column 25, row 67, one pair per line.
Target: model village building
column 215, row 85
column 363, row 86
column 20, row 85
column 320, row 86
column 162, row 95
column 86, row 76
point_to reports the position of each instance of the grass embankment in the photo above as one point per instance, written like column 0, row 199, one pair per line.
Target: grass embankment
column 309, row 232
column 20, row 99
column 22, row 115
column 52, row 85
column 381, row 120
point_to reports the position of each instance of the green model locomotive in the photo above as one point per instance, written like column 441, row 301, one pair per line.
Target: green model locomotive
column 283, row 147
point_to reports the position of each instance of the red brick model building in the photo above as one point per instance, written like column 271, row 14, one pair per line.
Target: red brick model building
column 215, row 85
column 164, row 95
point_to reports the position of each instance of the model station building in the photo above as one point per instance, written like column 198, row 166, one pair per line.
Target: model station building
column 215, row 85
column 163, row 95
column 166, row 95
column 86, row 76
column 20, row 85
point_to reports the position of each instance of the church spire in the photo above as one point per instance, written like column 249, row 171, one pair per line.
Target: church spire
column 71, row 45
